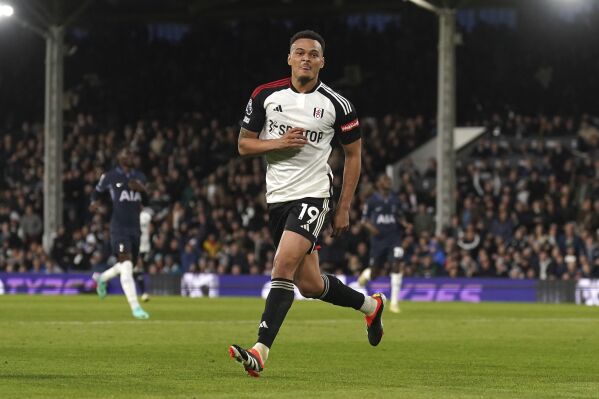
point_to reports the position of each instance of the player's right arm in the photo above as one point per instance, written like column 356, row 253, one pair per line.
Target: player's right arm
column 366, row 216
column 371, row 228
column 99, row 189
column 249, row 144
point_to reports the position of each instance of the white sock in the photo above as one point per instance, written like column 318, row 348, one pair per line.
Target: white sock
column 262, row 350
column 111, row 273
column 366, row 275
column 395, row 287
column 128, row 283
column 369, row 305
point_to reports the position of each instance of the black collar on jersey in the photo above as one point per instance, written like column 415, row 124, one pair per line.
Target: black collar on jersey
column 316, row 86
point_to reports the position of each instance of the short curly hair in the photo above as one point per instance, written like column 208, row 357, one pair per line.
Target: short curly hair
column 307, row 34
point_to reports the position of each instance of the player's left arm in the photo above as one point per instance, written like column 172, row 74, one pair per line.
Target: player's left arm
column 347, row 129
column 351, row 175
column 400, row 216
column 138, row 184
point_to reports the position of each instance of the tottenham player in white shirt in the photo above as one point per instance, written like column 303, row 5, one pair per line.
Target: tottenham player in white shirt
column 292, row 122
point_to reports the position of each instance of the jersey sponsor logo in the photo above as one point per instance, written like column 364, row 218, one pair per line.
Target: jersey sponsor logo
column 281, row 129
column 385, row 219
column 278, row 108
column 130, row 196
column 248, row 108
column 350, row 125
column 318, row 113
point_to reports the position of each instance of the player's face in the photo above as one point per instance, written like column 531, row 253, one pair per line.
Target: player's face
column 125, row 158
column 384, row 183
column 305, row 59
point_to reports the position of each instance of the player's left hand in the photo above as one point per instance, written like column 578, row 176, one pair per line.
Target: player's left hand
column 340, row 222
column 136, row 185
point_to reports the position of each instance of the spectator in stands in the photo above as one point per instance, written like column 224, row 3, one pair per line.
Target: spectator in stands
column 198, row 196
column 31, row 225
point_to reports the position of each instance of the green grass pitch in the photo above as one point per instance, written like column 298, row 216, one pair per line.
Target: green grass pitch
column 83, row 347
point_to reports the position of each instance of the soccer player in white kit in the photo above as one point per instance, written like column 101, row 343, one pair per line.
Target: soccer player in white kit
column 292, row 122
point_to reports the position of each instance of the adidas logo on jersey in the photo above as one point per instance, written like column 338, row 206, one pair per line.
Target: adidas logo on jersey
column 263, row 325
column 306, row 227
column 278, row 108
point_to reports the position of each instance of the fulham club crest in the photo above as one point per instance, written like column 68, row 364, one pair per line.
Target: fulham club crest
column 318, row 113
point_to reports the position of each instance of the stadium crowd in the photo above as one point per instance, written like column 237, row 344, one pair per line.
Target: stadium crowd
column 528, row 194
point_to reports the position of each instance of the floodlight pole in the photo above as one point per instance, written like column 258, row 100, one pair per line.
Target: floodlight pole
column 53, row 34
column 53, row 135
column 446, row 115
column 53, row 127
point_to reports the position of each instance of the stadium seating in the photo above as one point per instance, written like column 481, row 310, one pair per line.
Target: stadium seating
column 527, row 192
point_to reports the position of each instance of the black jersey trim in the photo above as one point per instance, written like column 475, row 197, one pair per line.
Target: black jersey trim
column 316, row 87
column 347, row 108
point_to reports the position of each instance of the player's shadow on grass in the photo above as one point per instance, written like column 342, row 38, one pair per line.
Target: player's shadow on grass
column 273, row 377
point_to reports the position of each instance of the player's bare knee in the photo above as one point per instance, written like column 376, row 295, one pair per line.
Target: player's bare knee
column 284, row 267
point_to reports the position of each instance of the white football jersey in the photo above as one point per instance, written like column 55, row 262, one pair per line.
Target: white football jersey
column 275, row 108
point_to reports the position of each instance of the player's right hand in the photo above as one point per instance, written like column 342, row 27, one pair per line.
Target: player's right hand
column 293, row 138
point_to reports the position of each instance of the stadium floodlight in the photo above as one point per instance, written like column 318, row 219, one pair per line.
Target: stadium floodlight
column 425, row 4
column 6, row 10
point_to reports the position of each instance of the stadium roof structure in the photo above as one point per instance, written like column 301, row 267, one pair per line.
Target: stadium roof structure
column 78, row 12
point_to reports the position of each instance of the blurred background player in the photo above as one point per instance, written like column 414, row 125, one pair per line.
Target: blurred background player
column 126, row 186
column 381, row 217
column 145, row 219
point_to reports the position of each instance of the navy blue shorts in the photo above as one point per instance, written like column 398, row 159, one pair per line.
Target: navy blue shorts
column 388, row 252
column 125, row 243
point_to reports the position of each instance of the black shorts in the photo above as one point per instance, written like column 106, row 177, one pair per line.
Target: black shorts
column 307, row 217
column 125, row 243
